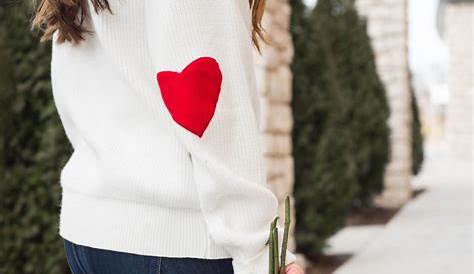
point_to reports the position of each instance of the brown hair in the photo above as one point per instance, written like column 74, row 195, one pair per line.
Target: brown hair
column 67, row 17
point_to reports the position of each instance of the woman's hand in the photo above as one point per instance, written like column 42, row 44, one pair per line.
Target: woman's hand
column 293, row 268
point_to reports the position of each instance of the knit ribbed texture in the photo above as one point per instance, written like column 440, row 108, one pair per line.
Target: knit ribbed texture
column 137, row 181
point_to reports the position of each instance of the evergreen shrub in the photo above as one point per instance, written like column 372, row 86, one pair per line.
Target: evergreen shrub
column 33, row 148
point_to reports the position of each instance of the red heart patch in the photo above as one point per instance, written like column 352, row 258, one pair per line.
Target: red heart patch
column 191, row 95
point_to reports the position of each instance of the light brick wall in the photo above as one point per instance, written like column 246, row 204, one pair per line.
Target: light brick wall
column 459, row 36
column 387, row 28
column 274, row 80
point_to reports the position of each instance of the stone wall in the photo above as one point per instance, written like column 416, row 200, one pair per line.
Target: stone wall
column 274, row 81
column 459, row 36
column 387, row 27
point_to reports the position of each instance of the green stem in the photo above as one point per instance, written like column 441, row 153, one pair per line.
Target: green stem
column 274, row 223
column 270, row 253
column 270, row 243
column 285, row 235
column 275, row 251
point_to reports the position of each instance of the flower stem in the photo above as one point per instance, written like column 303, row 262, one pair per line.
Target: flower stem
column 276, row 269
column 271, row 244
column 285, row 235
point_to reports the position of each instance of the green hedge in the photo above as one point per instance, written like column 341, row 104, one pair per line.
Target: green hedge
column 340, row 134
column 369, row 110
column 417, row 136
column 324, row 166
column 33, row 147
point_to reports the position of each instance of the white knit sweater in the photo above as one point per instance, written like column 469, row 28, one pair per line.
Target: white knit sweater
column 156, row 171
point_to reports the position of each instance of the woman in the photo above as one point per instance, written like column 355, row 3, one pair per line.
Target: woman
column 158, row 100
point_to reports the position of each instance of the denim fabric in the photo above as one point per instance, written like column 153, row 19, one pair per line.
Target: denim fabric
column 88, row 260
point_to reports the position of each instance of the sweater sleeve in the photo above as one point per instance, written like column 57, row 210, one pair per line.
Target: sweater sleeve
column 202, row 55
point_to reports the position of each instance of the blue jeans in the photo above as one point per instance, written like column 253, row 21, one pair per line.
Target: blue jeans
column 88, row 260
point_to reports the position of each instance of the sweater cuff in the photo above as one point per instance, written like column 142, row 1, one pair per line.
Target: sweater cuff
column 259, row 263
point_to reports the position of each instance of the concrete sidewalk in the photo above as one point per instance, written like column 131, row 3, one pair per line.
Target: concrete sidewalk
column 430, row 235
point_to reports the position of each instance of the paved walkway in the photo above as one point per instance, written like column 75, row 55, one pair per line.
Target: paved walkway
column 430, row 235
